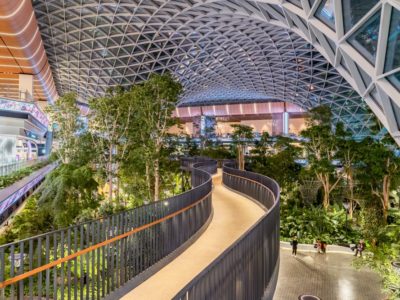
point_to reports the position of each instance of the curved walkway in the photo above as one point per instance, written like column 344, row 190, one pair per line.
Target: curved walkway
column 233, row 215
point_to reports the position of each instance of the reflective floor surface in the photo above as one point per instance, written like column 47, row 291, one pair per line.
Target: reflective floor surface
column 329, row 276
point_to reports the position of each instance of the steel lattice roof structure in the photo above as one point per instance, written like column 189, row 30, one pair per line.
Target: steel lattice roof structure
column 343, row 53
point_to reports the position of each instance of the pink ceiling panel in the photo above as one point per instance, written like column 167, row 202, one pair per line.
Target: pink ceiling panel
column 277, row 107
column 248, row 109
column 220, row 110
column 262, row 108
column 234, row 109
column 194, row 111
column 290, row 107
column 208, row 110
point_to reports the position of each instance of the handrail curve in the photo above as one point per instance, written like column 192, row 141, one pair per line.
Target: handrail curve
column 93, row 259
column 249, row 268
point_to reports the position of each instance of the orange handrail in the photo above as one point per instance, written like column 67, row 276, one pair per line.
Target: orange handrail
column 94, row 247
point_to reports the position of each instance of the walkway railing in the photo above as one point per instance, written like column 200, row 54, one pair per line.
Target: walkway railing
column 93, row 259
column 198, row 162
column 12, row 196
column 10, row 167
column 249, row 268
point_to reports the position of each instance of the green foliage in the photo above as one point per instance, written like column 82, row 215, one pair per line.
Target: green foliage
column 67, row 191
column 190, row 148
column 110, row 118
column 379, row 171
column 67, row 125
column 12, row 178
column 154, row 101
column 277, row 160
column 384, row 253
column 242, row 134
column 311, row 223
column 126, row 144
column 32, row 220
column 217, row 152
column 321, row 148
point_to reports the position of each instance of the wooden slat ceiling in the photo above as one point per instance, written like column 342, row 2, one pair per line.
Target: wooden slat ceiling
column 22, row 52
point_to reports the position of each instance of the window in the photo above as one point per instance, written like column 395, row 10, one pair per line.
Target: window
column 365, row 39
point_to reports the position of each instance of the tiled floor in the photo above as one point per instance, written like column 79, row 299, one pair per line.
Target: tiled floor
column 328, row 276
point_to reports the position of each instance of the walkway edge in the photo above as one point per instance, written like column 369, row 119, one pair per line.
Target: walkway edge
column 139, row 279
column 248, row 197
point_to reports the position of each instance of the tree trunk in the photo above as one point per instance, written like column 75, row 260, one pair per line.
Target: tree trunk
column 327, row 191
column 156, row 179
column 351, row 188
column 326, row 199
column 148, row 181
column 117, row 191
column 110, row 175
column 240, row 149
column 182, row 181
column 386, row 191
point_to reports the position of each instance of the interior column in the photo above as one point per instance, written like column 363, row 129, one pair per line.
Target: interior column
column 26, row 87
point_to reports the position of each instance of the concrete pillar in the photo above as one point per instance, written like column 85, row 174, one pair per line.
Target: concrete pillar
column 285, row 123
column 49, row 142
column 26, row 87
column 196, row 126
column 277, row 124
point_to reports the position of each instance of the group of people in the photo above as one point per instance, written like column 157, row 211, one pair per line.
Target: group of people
column 321, row 246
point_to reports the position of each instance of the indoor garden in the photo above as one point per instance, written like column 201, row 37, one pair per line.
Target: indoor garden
column 121, row 155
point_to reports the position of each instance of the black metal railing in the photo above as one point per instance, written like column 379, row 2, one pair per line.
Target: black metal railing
column 249, row 268
column 198, row 162
column 93, row 259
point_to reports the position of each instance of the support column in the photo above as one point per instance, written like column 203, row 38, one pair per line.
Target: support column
column 277, row 124
column 197, row 126
column 26, row 87
column 285, row 123
column 49, row 142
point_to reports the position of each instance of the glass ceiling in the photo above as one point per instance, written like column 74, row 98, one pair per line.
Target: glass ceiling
column 232, row 51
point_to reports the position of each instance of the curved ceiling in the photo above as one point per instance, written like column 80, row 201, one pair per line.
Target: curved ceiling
column 237, row 50
column 22, row 52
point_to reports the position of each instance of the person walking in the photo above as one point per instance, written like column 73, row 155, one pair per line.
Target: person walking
column 317, row 245
column 360, row 248
column 323, row 247
column 294, row 244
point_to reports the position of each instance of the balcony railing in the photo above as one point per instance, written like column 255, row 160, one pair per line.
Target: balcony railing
column 7, row 168
column 12, row 196
column 93, row 259
column 249, row 268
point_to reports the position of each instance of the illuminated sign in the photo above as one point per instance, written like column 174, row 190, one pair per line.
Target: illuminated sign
column 25, row 107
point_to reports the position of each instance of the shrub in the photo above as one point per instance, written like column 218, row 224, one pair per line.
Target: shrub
column 313, row 222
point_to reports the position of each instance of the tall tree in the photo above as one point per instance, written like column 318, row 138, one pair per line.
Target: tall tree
column 349, row 152
column 67, row 125
column 280, row 163
column 109, row 120
column 155, row 101
column 242, row 135
column 380, row 170
column 67, row 191
column 321, row 146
